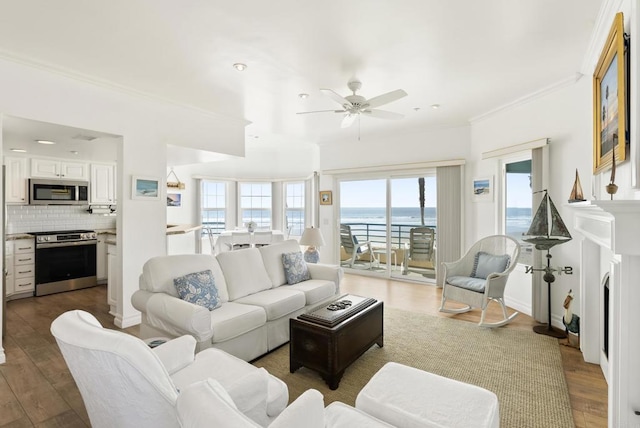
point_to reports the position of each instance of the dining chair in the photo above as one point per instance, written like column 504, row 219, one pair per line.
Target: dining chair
column 240, row 240
column 262, row 238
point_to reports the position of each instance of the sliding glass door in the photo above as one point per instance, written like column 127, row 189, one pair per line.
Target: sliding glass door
column 377, row 217
column 363, row 222
column 413, row 227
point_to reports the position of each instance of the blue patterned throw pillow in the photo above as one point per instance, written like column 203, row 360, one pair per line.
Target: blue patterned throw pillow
column 198, row 288
column 295, row 268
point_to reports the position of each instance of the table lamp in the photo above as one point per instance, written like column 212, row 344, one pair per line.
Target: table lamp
column 312, row 237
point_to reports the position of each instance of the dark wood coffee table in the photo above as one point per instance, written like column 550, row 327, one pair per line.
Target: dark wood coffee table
column 330, row 349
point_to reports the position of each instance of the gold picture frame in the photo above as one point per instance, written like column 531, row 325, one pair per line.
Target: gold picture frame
column 325, row 197
column 610, row 100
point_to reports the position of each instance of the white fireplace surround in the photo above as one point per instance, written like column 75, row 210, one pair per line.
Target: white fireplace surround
column 611, row 244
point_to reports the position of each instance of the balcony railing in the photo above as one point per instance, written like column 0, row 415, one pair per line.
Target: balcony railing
column 377, row 233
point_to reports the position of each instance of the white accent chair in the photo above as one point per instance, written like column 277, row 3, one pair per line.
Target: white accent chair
column 481, row 276
column 124, row 383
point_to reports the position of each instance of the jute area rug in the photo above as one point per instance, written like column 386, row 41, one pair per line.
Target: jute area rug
column 522, row 368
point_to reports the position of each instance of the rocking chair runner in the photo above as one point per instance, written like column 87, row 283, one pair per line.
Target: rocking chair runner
column 480, row 276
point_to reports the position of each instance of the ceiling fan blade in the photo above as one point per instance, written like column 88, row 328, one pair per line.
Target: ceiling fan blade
column 386, row 98
column 322, row 111
column 348, row 120
column 336, row 97
column 383, row 114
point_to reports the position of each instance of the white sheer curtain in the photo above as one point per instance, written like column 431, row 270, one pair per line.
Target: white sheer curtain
column 449, row 217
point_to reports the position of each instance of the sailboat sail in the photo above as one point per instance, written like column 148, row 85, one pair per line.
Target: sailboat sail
column 543, row 236
column 558, row 228
column 576, row 192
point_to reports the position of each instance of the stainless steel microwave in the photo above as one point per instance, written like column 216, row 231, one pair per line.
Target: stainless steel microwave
column 58, row 192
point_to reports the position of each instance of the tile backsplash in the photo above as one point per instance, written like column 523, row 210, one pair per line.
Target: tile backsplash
column 43, row 218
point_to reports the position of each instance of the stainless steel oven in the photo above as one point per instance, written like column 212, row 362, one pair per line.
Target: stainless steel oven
column 65, row 260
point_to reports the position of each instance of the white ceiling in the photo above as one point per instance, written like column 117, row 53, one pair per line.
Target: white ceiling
column 468, row 56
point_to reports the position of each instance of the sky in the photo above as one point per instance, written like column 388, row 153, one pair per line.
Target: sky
column 404, row 192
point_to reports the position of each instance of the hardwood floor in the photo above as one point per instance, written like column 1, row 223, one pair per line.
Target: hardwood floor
column 36, row 388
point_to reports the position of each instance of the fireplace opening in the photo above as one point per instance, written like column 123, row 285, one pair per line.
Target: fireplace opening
column 605, row 302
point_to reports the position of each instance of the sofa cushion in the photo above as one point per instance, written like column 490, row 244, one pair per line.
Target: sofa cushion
column 158, row 273
column 295, row 268
column 473, row 284
column 315, row 290
column 198, row 288
column 277, row 302
column 272, row 258
column 244, row 272
column 233, row 319
column 485, row 264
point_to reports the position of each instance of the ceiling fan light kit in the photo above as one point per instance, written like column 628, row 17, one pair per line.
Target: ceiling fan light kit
column 355, row 105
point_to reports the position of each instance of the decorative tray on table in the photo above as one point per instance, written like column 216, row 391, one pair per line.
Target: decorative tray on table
column 339, row 310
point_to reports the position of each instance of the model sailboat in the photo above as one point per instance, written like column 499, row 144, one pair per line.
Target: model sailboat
column 547, row 228
column 576, row 193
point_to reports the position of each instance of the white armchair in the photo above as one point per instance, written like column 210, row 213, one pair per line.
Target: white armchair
column 124, row 383
column 481, row 276
column 206, row 404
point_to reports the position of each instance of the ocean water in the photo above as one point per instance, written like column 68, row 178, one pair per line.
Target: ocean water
column 518, row 219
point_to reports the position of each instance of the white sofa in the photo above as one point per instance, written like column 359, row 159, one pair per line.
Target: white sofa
column 256, row 301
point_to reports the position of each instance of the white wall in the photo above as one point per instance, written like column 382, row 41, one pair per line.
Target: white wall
column 565, row 117
column 146, row 126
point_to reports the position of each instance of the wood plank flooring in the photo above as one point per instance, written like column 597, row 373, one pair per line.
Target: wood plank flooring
column 37, row 390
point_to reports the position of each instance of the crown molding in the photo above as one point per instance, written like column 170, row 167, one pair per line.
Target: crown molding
column 107, row 84
column 607, row 11
column 568, row 81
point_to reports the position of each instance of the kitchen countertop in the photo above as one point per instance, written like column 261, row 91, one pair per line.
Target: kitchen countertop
column 178, row 229
column 16, row 236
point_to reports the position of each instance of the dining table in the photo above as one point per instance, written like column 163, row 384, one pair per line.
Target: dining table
column 225, row 241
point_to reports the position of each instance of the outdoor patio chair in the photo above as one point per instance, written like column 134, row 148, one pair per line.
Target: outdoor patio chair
column 420, row 250
column 352, row 247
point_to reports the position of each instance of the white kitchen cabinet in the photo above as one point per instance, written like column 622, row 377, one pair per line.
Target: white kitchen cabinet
column 16, row 180
column 52, row 168
column 102, row 189
column 101, row 258
column 20, row 263
column 112, row 278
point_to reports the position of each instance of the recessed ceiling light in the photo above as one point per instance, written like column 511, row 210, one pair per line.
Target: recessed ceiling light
column 74, row 152
column 19, row 150
column 435, row 106
column 45, row 142
column 240, row 66
column 303, row 95
column 416, row 108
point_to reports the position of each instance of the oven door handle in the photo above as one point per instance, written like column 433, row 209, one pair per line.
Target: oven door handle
column 65, row 244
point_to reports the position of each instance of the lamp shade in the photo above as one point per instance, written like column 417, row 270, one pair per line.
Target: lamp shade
column 312, row 237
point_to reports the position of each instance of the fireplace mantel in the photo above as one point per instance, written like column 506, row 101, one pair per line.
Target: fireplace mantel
column 611, row 245
column 612, row 224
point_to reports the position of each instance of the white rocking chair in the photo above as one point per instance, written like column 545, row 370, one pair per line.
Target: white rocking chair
column 480, row 276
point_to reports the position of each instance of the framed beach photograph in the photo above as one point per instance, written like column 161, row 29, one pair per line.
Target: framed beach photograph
column 146, row 188
column 610, row 101
column 483, row 189
column 325, row 197
column 174, row 199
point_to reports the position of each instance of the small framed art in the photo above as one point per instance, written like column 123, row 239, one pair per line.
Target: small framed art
column 325, row 197
column 174, row 199
column 146, row 188
column 483, row 189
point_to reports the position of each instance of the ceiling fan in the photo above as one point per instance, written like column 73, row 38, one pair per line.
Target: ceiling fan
column 353, row 106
